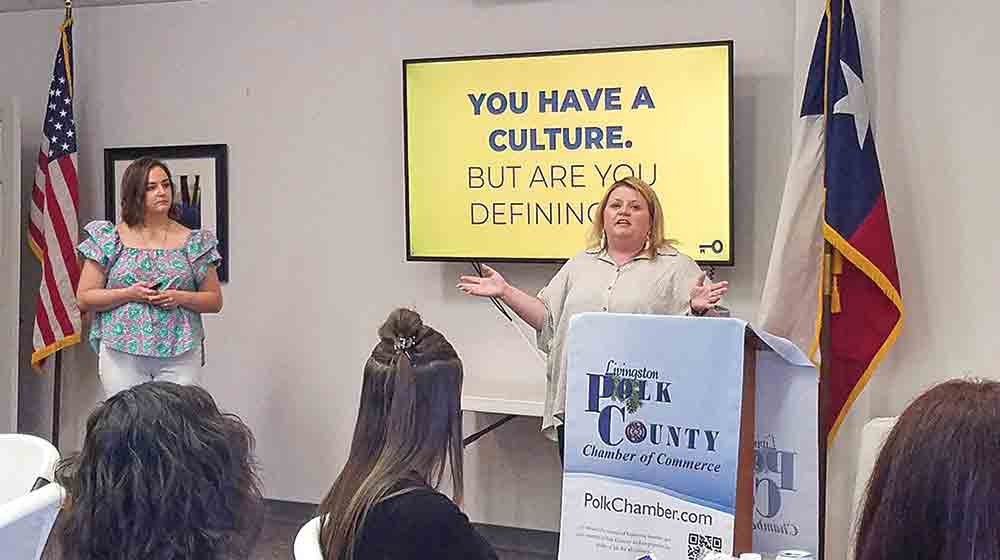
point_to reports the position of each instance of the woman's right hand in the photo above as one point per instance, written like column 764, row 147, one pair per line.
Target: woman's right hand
column 491, row 284
column 140, row 291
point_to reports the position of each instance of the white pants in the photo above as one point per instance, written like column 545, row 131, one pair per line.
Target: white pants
column 119, row 370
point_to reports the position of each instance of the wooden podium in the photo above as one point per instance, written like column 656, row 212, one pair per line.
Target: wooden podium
column 743, row 533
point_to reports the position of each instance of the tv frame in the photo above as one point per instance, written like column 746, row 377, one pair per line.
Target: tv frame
column 410, row 257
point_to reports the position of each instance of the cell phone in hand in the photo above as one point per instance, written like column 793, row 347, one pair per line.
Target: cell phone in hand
column 157, row 285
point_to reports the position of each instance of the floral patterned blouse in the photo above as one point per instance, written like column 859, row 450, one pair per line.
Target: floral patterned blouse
column 141, row 328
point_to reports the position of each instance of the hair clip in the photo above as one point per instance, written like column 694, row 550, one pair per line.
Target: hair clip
column 404, row 343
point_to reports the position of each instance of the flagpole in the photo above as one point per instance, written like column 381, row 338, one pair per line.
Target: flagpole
column 56, row 398
column 824, row 386
column 825, row 337
column 57, row 369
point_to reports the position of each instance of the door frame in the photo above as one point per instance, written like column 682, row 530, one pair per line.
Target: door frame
column 10, row 256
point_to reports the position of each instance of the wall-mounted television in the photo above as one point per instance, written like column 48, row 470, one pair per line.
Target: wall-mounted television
column 507, row 156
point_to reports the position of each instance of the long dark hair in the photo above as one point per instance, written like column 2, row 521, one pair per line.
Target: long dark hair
column 163, row 475
column 409, row 429
column 934, row 493
column 134, row 190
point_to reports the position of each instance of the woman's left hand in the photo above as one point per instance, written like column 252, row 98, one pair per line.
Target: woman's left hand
column 167, row 299
column 706, row 295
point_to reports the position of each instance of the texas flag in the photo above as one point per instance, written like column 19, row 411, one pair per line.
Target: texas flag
column 834, row 192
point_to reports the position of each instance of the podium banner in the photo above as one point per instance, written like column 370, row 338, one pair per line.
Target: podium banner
column 786, row 450
column 652, row 436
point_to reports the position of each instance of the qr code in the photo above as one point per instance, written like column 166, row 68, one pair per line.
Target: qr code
column 700, row 545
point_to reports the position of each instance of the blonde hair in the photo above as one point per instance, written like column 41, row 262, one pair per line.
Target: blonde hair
column 655, row 240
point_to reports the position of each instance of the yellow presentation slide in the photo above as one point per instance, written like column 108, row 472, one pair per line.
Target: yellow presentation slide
column 507, row 157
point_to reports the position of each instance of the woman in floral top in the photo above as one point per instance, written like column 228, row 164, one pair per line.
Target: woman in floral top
column 149, row 279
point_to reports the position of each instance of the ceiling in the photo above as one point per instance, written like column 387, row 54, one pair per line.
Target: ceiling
column 29, row 5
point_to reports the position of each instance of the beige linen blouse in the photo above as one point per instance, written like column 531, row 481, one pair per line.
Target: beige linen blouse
column 592, row 281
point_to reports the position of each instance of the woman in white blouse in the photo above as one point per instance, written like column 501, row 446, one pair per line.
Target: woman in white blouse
column 630, row 267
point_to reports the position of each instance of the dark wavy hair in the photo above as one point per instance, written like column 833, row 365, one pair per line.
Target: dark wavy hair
column 934, row 493
column 408, row 434
column 134, row 190
column 163, row 475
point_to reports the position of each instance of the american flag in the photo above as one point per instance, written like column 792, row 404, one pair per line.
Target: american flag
column 53, row 230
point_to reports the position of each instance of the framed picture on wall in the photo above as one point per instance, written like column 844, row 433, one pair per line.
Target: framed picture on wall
column 199, row 174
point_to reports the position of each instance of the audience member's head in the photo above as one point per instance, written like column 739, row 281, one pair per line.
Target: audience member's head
column 409, row 429
column 934, row 493
column 163, row 474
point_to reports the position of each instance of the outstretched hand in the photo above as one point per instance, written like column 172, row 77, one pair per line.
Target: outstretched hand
column 491, row 284
column 705, row 296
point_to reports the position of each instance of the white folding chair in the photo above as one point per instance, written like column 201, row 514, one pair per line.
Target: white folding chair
column 23, row 460
column 25, row 522
column 307, row 541
column 873, row 436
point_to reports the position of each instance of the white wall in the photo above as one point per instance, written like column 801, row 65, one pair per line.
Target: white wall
column 938, row 151
column 307, row 95
column 939, row 155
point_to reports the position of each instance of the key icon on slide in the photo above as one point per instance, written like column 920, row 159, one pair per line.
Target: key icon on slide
column 715, row 247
